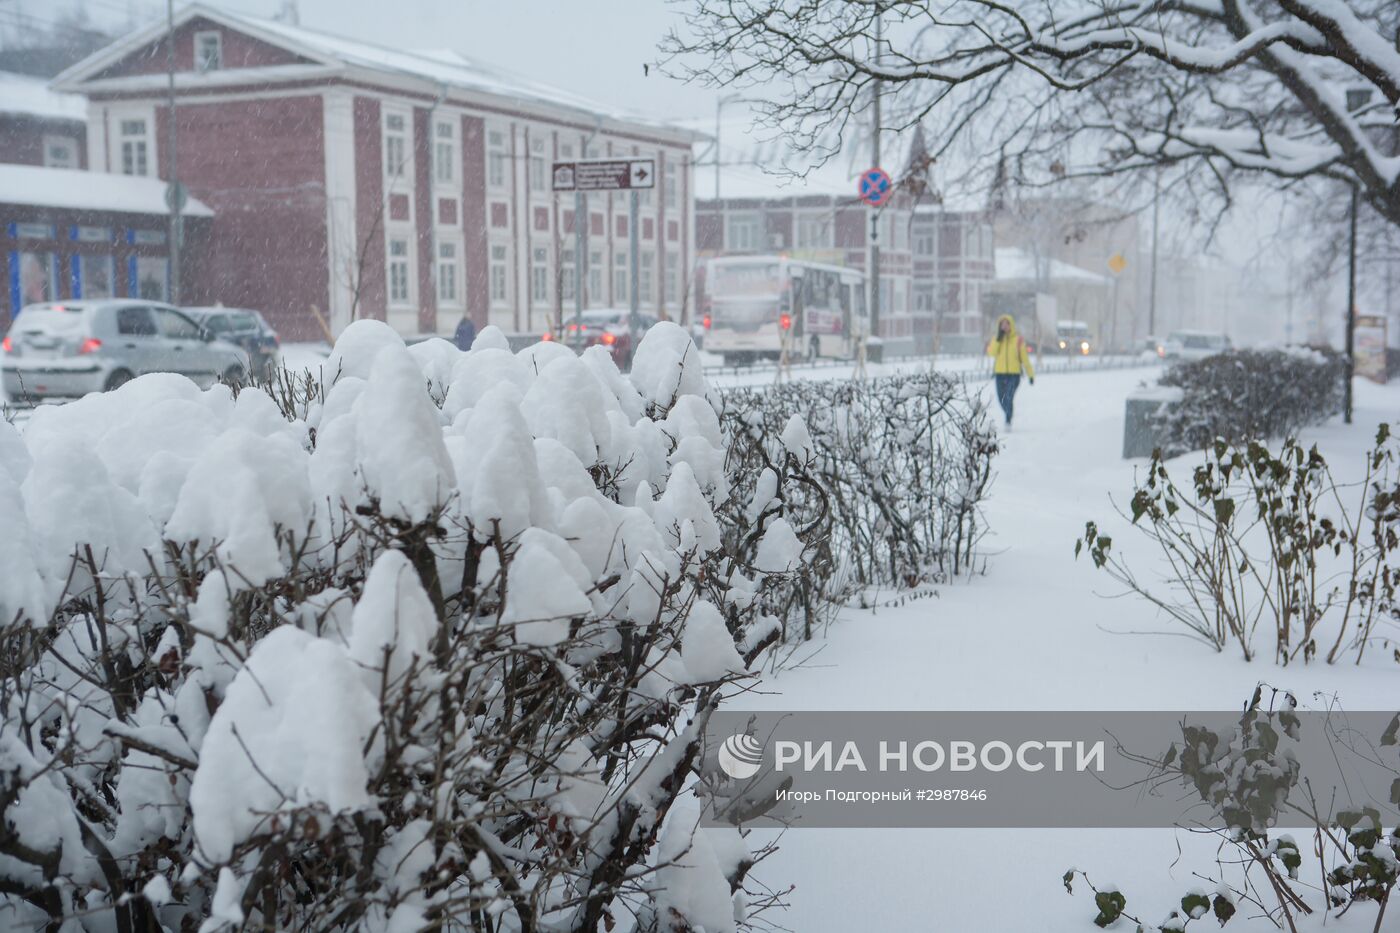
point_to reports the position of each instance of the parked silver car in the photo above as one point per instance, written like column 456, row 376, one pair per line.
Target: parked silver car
column 69, row 348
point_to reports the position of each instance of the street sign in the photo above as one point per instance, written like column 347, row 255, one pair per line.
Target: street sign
column 605, row 175
column 876, row 187
column 1369, row 350
column 1117, row 263
column 176, row 196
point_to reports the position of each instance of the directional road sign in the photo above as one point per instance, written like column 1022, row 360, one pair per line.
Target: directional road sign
column 605, row 175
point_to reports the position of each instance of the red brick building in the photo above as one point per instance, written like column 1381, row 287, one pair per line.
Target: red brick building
column 823, row 228
column 40, row 126
column 361, row 181
column 935, row 263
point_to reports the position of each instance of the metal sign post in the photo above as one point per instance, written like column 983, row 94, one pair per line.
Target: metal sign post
column 579, row 253
column 876, row 188
column 633, row 251
column 583, row 175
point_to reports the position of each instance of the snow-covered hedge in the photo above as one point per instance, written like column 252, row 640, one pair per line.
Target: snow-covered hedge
column 887, row 476
column 1250, row 394
column 434, row 651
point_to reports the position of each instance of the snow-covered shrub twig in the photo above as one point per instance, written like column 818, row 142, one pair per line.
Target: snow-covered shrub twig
column 1270, row 538
column 1247, row 777
column 1250, row 395
column 889, row 475
column 425, row 642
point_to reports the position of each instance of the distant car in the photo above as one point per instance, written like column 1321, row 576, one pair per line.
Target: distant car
column 246, row 329
column 606, row 327
column 70, row 348
column 1071, row 337
column 1189, row 345
column 1151, row 347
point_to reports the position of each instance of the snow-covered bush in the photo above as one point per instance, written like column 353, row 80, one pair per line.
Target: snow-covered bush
column 1271, row 539
column 1245, row 780
column 884, row 478
column 1250, row 394
column 424, row 641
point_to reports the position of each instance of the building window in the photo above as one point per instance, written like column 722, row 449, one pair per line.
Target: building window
column 566, row 274
column 152, row 277
column 595, row 276
column 445, row 152
column 97, row 280
column 620, row 279
column 395, row 145
column 539, row 275
column 499, row 278
column 496, row 159
column 398, row 272
column 35, row 274
column 135, row 148
column 447, row 284
column 671, row 185
column 813, row 231
column 646, row 278
column 1357, row 98
column 923, row 244
column 898, row 236
column 674, row 282
column 566, row 150
column 60, row 152
column 537, row 173
column 208, row 51
column 743, row 233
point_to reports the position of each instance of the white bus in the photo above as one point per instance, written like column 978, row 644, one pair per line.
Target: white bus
column 752, row 305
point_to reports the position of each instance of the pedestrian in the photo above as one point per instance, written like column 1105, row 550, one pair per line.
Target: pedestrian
column 1010, row 360
column 466, row 334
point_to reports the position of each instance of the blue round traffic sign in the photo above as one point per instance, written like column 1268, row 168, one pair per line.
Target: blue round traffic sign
column 875, row 186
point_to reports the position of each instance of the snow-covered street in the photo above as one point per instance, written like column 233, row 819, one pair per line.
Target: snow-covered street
column 1036, row 632
column 549, row 467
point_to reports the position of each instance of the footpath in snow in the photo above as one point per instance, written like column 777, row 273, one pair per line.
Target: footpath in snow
column 1036, row 632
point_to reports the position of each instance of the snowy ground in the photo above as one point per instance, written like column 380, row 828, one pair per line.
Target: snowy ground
column 1036, row 632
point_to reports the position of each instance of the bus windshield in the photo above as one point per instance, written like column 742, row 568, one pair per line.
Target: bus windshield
column 744, row 280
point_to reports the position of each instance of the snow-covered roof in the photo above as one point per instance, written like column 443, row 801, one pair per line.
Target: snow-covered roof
column 95, row 191
column 32, row 97
column 432, row 71
column 1016, row 265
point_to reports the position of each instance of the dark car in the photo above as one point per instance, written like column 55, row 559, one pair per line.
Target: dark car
column 606, row 327
column 246, row 329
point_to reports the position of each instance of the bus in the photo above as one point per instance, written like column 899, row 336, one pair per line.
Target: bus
column 754, row 305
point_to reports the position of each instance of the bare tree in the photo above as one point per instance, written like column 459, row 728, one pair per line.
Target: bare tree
column 1279, row 89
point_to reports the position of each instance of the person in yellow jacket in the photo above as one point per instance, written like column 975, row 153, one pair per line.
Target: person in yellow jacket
column 1010, row 360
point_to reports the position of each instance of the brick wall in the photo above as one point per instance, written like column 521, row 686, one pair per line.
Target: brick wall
column 260, row 164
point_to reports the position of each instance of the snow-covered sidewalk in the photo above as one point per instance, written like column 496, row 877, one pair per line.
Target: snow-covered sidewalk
column 1036, row 632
